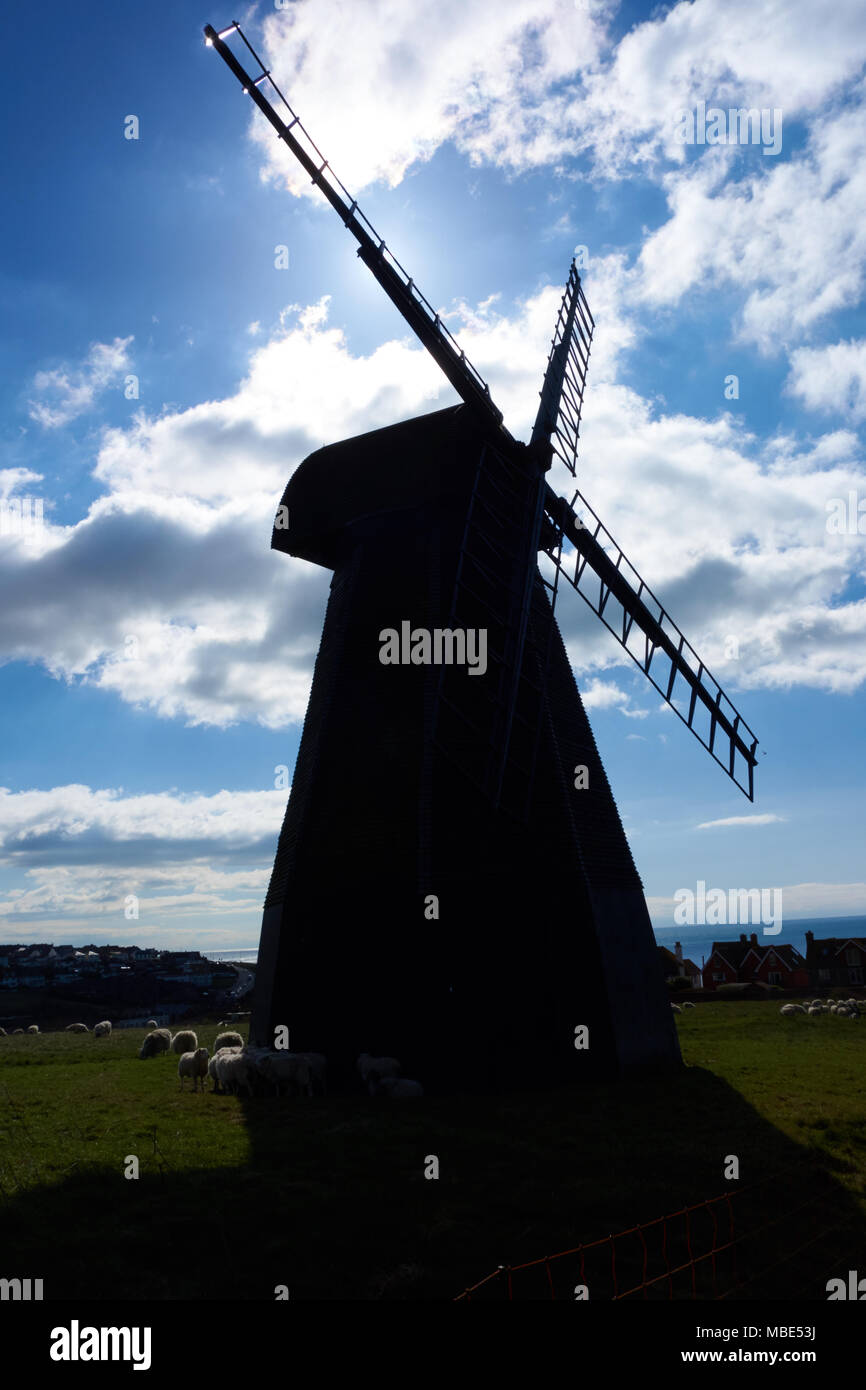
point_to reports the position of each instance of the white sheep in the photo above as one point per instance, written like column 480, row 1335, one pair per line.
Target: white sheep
column 372, row 1069
column 77, row 1028
column 687, row 1004
column 34, row 1028
column 17, row 1030
column 318, row 1069
column 228, row 1040
column 184, row 1041
column 212, row 1066
column 151, row 1023
column 102, row 1030
column 234, row 1071
column 676, row 1008
column 815, row 1009
column 399, row 1088
column 790, row 1009
column 193, row 1064
column 286, row 1068
column 157, row 1041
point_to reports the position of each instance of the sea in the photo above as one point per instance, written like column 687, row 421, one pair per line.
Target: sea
column 697, row 942
column 244, row 955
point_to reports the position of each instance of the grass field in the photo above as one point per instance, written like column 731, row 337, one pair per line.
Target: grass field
column 328, row 1196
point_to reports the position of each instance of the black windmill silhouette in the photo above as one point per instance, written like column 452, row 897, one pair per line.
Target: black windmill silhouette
column 453, row 885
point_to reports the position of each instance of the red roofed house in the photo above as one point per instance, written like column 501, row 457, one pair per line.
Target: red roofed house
column 748, row 962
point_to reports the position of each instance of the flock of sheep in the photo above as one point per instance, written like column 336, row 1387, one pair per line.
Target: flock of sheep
column 237, row 1068
column 848, row 1008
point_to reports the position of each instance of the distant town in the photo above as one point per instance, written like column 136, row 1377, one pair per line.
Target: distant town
column 132, row 982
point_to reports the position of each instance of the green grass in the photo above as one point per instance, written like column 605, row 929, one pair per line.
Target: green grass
column 329, row 1196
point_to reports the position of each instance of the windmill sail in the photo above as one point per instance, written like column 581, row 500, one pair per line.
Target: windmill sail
column 614, row 590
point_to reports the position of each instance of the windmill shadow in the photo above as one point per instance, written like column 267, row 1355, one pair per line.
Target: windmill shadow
column 332, row 1201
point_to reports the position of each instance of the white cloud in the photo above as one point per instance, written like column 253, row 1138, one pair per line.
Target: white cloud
column 831, row 378
column 66, row 815
column 67, row 392
column 489, row 88
column 740, row 820
column 84, row 851
column 792, row 237
column 538, row 82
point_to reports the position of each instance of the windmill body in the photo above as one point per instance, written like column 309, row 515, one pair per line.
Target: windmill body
column 453, row 885
column 406, row 915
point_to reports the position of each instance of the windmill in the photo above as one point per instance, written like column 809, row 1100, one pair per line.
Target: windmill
column 452, row 884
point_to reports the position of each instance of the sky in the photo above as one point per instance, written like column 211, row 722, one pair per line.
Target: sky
column 185, row 319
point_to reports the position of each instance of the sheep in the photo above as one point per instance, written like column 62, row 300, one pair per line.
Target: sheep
column 228, row 1040
column 3, row 1033
column 687, row 1004
column 17, row 1030
column 791, row 1009
column 318, row 1069
column 34, row 1028
column 286, row 1067
column 399, row 1088
column 102, row 1030
column 184, row 1041
column 77, row 1028
column 151, row 1023
column 233, row 1071
column 157, row 1041
column 371, row 1069
column 193, row 1064
column 212, row 1065
column 676, row 1008
column 815, row 1010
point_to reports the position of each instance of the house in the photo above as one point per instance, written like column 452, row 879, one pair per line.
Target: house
column 835, row 961
column 748, row 962
column 673, row 964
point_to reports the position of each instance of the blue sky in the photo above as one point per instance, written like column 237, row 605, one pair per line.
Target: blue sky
column 157, row 655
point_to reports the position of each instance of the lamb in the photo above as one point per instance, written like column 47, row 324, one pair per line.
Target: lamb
column 399, row 1088
column 287, row 1068
column 157, row 1041
column 372, row 1069
column 318, row 1069
column 34, row 1028
column 193, row 1064
column 102, row 1030
column 228, row 1040
column 184, row 1041
column 77, row 1028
